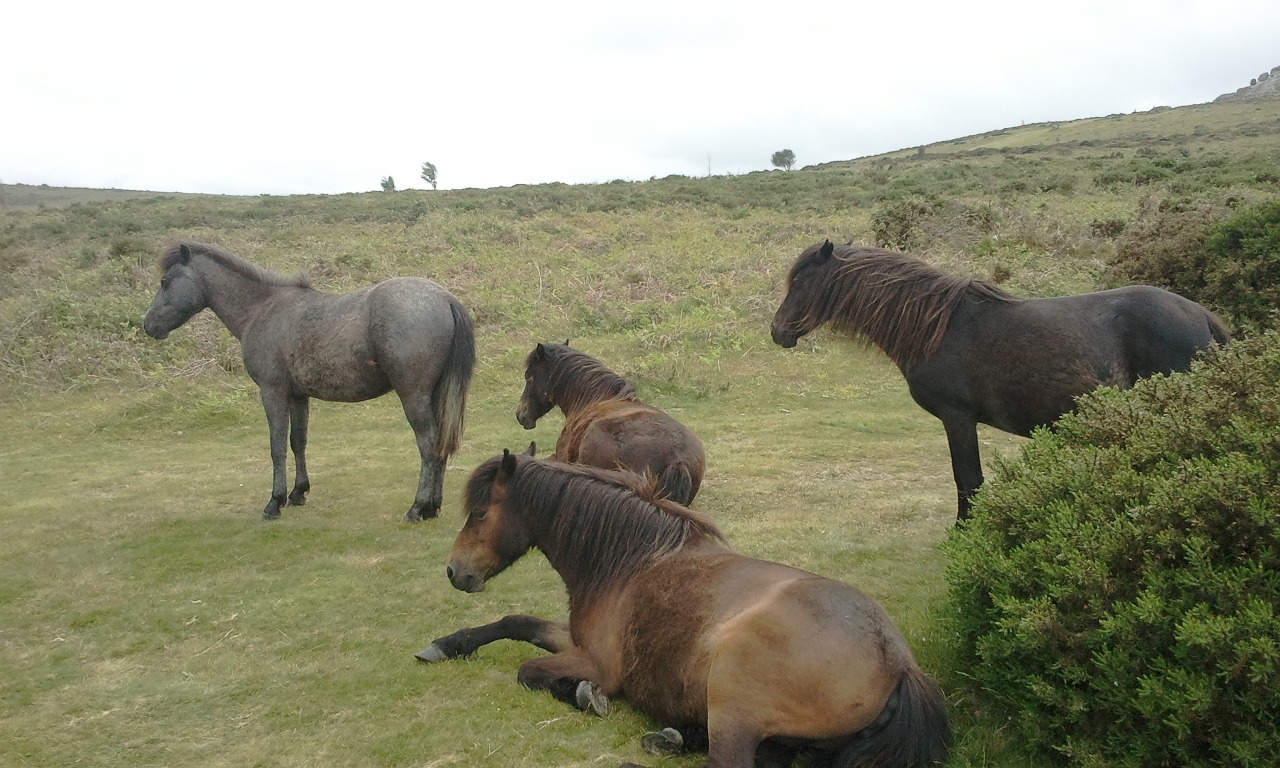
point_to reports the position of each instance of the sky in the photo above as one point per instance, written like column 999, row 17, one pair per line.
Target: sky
column 267, row 97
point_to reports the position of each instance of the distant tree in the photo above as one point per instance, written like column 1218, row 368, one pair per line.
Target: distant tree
column 429, row 174
column 784, row 159
column 388, row 184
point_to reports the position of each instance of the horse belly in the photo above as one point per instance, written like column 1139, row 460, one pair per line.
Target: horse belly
column 332, row 358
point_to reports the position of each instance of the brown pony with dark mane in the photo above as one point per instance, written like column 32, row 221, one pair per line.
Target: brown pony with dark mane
column 972, row 353
column 743, row 655
column 606, row 425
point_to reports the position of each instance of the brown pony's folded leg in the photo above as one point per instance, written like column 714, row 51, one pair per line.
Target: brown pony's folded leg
column 547, row 635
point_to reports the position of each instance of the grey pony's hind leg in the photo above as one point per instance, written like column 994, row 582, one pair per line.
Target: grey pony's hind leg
column 276, row 405
column 299, row 417
column 426, row 503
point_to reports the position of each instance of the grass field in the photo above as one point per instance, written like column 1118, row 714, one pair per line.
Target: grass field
column 149, row 617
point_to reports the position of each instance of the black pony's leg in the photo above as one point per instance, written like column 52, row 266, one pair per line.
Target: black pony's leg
column 966, row 464
column 547, row 635
column 299, row 416
column 276, row 405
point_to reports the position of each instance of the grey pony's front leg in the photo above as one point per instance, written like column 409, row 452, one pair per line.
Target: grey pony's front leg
column 276, row 405
column 966, row 464
column 299, row 417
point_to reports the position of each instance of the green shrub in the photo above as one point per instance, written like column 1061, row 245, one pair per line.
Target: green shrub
column 1243, row 267
column 1117, row 592
column 1231, row 265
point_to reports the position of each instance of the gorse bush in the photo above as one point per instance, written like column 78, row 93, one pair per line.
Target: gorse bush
column 1117, row 592
column 1229, row 263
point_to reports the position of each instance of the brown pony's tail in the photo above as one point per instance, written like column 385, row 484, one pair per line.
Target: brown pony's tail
column 914, row 735
column 676, row 483
column 450, row 395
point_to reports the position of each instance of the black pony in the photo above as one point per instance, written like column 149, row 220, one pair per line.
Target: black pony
column 973, row 353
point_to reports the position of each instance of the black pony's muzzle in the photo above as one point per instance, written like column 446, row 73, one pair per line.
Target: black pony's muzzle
column 783, row 336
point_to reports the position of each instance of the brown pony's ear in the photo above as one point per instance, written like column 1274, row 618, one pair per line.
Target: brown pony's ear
column 508, row 466
column 532, row 450
column 184, row 254
column 824, row 252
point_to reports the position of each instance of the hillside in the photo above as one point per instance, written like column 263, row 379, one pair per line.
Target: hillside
column 149, row 617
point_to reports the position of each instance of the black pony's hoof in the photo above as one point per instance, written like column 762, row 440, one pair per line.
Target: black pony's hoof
column 668, row 741
column 590, row 699
column 272, row 512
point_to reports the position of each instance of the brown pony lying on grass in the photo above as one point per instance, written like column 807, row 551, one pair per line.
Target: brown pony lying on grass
column 756, row 656
column 606, row 425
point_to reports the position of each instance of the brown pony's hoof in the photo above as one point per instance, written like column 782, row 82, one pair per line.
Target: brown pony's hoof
column 431, row 654
column 590, row 699
column 667, row 741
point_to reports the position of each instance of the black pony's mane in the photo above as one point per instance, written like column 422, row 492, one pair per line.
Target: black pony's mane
column 898, row 302
column 602, row 526
column 172, row 253
column 578, row 379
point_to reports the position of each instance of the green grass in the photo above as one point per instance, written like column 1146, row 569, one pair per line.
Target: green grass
column 149, row 617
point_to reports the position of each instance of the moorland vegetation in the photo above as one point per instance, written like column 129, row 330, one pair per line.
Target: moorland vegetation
column 149, row 617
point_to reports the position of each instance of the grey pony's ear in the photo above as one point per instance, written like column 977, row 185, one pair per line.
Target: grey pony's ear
column 532, row 450
column 824, row 251
column 184, row 254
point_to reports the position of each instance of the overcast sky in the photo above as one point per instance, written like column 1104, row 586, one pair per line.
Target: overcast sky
column 258, row 97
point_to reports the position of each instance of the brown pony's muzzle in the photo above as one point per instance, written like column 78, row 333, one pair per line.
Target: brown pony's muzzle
column 464, row 578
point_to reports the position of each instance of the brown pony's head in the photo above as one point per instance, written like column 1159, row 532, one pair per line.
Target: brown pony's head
column 536, row 399
column 491, row 539
column 795, row 316
column 558, row 375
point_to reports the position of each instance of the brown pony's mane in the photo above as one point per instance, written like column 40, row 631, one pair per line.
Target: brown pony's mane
column 608, row 523
column 172, row 252
column 578, row 379
column 900, row 303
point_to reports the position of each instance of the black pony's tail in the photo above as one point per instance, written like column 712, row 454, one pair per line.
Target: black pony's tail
column 1218, row 329
column 676, row 483
column 911, row 733
column 450, row 396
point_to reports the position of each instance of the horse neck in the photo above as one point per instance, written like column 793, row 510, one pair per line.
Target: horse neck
column 575, row 390
column 583, row 542
column 234, row 296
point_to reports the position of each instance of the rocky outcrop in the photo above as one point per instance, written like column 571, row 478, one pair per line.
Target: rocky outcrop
column 1264, row 86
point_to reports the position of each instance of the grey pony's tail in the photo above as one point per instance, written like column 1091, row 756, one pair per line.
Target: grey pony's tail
column 450, row 396
column 911, row 733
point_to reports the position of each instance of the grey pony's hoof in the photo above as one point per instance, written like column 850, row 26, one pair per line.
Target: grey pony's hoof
column 590, row 699
column 668, row 741
column 431, row 654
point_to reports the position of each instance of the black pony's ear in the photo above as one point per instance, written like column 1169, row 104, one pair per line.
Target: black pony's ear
column 824, row 252
column 532, row 450
column 540, row 352
column 508, row 466
column 184, row 254
column 566, row 342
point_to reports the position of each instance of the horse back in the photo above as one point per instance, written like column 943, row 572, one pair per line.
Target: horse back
column 1020, row 365
column 629, row 434
column 352, row 346
column 758, row 634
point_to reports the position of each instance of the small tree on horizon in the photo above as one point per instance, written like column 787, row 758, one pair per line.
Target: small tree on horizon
column 429, row 174
column 388, row 184
column 784, row 159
